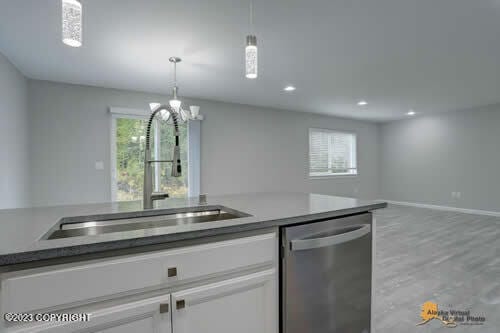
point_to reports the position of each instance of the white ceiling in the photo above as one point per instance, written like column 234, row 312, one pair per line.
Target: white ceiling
column 426, row 55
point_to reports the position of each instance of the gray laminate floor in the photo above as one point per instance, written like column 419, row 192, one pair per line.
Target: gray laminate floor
column 445, row 257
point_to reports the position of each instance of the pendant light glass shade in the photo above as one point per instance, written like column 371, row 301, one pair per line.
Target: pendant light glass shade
column 72, row 23
column 195, row 111
column 175, row 104
column 154, row 105
column 251, row 57
column 185, row 115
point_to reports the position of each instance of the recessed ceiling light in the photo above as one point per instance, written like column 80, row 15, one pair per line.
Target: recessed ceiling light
column 361, row 103
column 411, row 113
column 289, row 88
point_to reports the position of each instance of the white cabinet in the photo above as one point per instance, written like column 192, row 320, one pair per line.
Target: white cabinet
column 152, row 315
column 245, row 304
column 224, row 286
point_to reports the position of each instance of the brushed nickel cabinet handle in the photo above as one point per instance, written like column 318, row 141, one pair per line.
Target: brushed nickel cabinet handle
column 171, row 272
column 180, row 304
column 163, row 307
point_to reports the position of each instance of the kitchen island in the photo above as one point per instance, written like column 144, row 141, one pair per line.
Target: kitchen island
column 213, row 276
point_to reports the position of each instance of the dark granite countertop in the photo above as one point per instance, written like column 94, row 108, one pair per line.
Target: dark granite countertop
column 22, row 230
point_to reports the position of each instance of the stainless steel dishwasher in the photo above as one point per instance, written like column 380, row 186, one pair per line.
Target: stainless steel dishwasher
column 326, row 276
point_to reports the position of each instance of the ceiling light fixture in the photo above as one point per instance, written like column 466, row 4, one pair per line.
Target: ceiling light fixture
column 72, row 23
column 362, row 103
column 175, row 104
column 251, row 53
column 289, row 88
column 411, row 113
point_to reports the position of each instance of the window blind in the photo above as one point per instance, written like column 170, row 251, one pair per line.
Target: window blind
column 331, row 153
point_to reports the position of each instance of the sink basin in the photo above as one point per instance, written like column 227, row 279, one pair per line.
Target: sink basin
column 88, row 225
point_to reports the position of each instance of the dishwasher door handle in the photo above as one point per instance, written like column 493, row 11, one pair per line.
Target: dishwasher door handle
column 314, row 243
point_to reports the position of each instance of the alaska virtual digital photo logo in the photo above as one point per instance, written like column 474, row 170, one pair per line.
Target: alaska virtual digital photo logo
column 449, row 318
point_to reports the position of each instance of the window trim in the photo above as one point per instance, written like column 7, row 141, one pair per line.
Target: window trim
column 331, row 175
column 193, row 153
column 194, row 157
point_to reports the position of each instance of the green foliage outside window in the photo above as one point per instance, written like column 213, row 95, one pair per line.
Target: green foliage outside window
column 130, row 145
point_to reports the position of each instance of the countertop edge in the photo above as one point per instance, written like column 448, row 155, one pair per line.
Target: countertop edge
column 32, row 256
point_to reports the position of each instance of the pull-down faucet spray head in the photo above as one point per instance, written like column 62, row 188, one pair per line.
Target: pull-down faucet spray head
column 176, row 157
column 176, row 162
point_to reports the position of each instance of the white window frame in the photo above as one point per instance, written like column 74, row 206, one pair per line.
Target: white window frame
column 194, row 142
column 354, row 159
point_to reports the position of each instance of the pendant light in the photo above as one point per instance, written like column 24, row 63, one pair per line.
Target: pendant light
column 251, row 53
column 72, row 23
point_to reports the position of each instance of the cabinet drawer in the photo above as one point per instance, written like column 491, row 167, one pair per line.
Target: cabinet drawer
column 71, row 285
column 142, row 316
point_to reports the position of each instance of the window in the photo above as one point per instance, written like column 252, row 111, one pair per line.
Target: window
column 128, row 130
column 331, row 153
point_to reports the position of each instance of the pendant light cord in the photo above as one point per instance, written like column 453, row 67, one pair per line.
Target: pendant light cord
column 251, row 16
column 175, row 74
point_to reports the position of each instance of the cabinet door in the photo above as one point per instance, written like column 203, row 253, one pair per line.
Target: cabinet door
column 152, row 315
column 246, row 304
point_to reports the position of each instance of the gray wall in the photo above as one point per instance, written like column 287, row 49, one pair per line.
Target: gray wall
column 425, row 159
column 13, row 137
column 244, row 149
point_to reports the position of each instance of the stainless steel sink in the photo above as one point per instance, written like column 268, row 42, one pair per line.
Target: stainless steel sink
column 96, row 225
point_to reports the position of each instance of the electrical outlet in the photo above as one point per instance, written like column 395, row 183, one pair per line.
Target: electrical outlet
column 453, row 195
column 458, row 195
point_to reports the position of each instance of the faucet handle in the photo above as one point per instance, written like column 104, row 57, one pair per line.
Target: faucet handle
column 159, row 195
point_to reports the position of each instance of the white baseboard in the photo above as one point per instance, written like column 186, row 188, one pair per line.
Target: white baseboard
column 445, row 208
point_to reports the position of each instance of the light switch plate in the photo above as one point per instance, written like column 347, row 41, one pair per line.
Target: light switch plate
column 99, row 165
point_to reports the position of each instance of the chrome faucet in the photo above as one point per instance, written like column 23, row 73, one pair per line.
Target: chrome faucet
column 148, row 195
